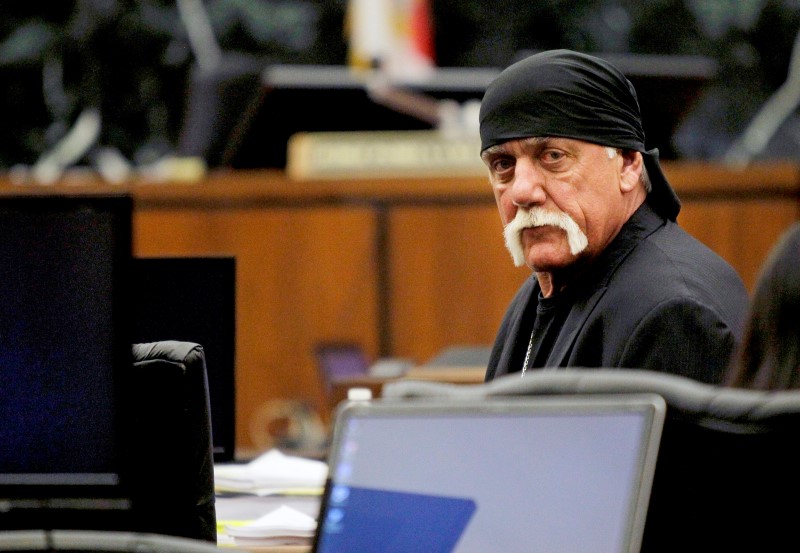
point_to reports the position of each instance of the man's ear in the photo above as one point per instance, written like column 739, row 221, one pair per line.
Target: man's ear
column 631, row 170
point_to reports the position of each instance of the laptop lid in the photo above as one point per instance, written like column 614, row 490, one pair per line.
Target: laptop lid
column 554, row 473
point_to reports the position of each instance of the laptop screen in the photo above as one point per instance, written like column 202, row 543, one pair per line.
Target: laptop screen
column 516, row 475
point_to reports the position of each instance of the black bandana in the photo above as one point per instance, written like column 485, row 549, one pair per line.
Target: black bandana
column 571, row 95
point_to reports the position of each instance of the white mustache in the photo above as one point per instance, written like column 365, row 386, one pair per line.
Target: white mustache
column 539, row 217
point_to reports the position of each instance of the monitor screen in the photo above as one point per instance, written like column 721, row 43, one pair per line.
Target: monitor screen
column 64, row 337
column 193, row 299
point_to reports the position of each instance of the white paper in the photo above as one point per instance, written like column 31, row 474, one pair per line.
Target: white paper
column 271, row 472
column 282, row 522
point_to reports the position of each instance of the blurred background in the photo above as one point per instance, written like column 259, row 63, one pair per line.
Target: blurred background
column 146, row 79
column 214, row 90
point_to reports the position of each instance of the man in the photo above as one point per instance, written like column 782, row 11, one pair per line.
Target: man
column 616, row 282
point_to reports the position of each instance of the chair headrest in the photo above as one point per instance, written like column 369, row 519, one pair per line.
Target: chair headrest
column 684, row 397
column 166, row 350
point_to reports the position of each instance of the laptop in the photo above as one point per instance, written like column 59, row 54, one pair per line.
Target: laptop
column 552, row 473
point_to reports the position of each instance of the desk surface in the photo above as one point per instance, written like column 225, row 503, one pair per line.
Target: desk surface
column 451, row 374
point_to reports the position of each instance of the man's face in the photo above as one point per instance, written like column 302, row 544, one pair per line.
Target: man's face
column 560, row 199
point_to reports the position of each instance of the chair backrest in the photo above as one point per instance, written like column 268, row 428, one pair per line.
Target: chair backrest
column 171, row 475
column 727, row 475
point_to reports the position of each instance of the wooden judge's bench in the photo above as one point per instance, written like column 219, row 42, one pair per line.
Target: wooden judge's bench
column 404, row 267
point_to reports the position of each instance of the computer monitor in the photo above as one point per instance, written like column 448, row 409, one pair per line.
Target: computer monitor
column 64, row 347
column 193, row 298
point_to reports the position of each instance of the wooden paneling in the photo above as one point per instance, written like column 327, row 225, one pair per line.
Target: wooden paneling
column 738, row 213
column 452, row 277
column 741, row 231
column 403, row 266
column 302, row 276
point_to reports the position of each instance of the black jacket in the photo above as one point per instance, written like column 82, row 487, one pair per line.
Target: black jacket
column 656, row 298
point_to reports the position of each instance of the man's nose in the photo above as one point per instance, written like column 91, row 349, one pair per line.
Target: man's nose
column 528, row 186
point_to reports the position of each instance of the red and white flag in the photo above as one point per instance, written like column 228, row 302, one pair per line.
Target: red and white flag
column 395, row 36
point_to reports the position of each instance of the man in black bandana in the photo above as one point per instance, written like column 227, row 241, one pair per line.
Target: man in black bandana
column 616, row 282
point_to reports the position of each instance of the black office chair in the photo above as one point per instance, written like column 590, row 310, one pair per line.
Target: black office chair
column 728, row 471
column 171, row 471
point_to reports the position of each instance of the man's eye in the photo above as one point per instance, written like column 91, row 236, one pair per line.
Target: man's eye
column 552, row 155
column 501, row 164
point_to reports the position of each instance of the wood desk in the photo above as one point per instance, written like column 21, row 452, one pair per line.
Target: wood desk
column 452, row 375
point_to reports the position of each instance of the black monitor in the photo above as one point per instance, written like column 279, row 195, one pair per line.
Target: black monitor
column 193, row 299
column 64, row 350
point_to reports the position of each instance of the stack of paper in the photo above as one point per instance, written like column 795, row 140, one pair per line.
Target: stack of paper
column 272, row 473
column 283, row 526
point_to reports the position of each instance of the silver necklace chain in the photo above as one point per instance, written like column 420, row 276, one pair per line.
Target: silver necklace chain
column 527, row 356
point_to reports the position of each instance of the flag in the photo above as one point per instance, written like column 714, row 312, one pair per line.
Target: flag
column 395, row 36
